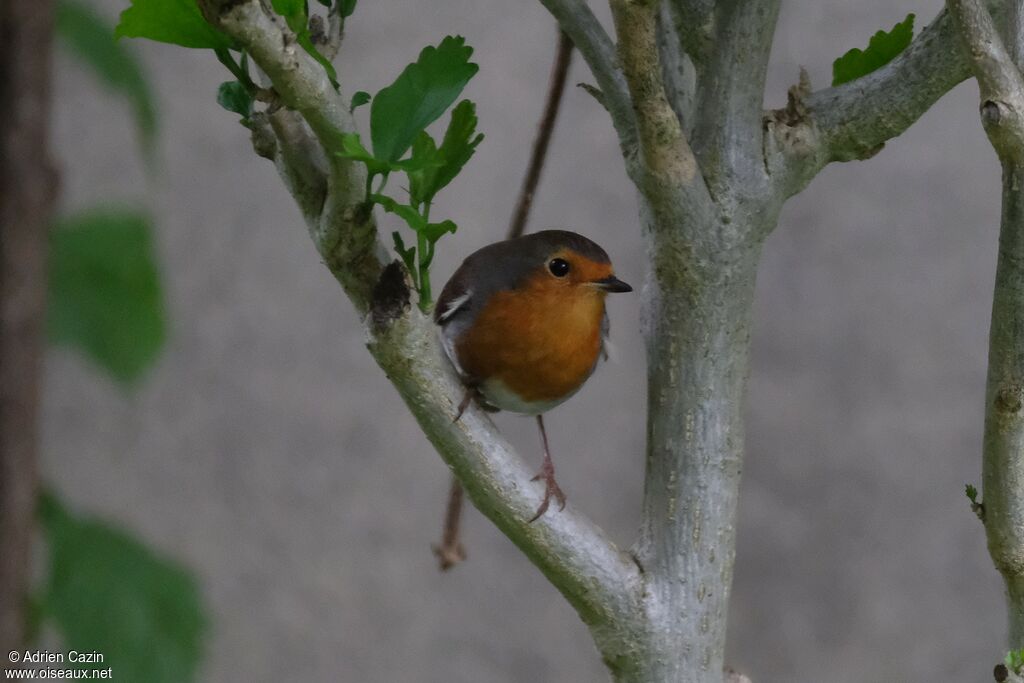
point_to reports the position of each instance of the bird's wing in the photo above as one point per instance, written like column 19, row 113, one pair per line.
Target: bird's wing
column 454, row 297
column 449, row 307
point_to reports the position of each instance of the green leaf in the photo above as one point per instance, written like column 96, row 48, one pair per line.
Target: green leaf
column 347, row 7
column 458, row 145
column 107, row 592
column 235, row 97
column 359, row 99
column 426, row 161
column 105, row 296
column 435, row 231
column 294, row 12
column 170, row 21
column 352, row 148
column 90, row 39
column 882, row 48
column 972, row 493
column 419, row 95
column 410, row 215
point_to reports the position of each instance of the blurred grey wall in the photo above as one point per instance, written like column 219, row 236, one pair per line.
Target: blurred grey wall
column 269, row 453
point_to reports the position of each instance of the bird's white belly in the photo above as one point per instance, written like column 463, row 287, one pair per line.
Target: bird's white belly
column 500, row 396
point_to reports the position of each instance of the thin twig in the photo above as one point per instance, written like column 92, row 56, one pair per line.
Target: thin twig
column 451, row 551
column 563, row 57
column 335, row 31
column 598, row 50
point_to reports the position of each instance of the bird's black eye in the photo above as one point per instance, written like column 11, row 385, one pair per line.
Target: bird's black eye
column 558, row 267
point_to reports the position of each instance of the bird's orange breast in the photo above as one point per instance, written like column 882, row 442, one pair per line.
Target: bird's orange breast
column 540, row 340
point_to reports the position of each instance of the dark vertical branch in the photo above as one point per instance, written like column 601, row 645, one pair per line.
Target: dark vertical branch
column 27, row 185
column 450, row 550
column 559, row 72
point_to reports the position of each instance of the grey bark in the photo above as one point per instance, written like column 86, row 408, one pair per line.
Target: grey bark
column 996, row 67
column 1003, row 450
column 27, row 185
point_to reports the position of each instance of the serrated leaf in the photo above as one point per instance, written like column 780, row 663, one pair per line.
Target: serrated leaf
column 435, row 231
column 359, row 99
column 346, row 7
column 881, row 50
column 107, row 592
column 420, row 94
column 410, row 215
column 456, row 149
column 170, row 21
column 91, row 40
column 234, row 97
column 105, row 294
column 458, row 144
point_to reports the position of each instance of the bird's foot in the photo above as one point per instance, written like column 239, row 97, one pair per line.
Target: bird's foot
column 551, row 490
column 449, row 554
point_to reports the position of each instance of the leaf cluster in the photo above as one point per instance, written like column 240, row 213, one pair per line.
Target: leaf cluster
column 181, row 23
column 399, row 115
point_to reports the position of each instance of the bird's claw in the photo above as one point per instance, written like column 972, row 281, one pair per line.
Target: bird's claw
column 551, row 489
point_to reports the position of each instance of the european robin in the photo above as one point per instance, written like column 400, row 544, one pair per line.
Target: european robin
column 523, row 321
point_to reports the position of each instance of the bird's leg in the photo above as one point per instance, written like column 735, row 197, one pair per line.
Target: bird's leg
column 466, row 398
column 547, row 473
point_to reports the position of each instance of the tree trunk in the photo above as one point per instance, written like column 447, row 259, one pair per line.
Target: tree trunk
column 27, row 183
column 697, row 328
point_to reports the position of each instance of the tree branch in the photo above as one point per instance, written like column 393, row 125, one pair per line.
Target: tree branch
column 346, row 233
column 999, row 80
column 668, row 166
column 730, row 98
column 677, row 70
column 284, row 138
column 1002, row 95
column 597, row 49
column 853, row 120
column 694, row 21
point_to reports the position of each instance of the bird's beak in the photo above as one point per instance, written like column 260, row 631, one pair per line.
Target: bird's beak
column 612, row 284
